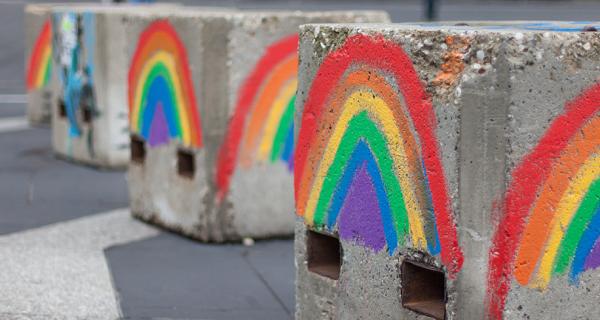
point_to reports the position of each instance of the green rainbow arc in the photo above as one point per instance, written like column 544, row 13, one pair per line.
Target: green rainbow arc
column 159, row 69
column 577, row 227
column 362, row 127
column 286, row 121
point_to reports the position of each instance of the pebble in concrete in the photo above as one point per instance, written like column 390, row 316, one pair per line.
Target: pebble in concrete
column 214, row 161
column 38, row 63
column 90, row 120
column 448, row 170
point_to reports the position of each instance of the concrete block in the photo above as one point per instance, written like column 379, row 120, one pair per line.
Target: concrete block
column 38, row 63
column 90, row 122
column 448, row 171
column 238, row 114
column 168, row 175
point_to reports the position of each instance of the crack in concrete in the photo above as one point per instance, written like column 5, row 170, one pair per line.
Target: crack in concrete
column 264, row 281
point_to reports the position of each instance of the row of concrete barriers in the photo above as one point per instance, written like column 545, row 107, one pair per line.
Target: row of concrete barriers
column 447, row 170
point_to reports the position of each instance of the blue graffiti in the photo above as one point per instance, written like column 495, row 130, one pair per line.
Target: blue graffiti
column 75, row 45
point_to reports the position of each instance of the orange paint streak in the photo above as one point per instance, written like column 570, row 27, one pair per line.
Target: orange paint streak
column 369, row 79
column 285, row 71
column 537, row 231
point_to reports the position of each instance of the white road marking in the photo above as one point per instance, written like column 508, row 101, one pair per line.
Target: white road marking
column 60, row 270
column 13, row 124
column 13, row 98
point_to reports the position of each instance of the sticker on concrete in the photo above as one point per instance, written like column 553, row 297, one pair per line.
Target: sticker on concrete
column 551, row 219
column 261, row 128
column 367, row 159
column 162, row 103
column 39, row 68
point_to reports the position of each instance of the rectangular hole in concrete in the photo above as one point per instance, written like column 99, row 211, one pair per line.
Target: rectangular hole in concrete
column 423, row 289
column 87, row 115
column 138, row 150
column 324, row 254
column 62, row 108
column 186, row 164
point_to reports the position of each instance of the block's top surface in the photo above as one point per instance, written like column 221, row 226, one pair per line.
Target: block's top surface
column 514, row 26
column 111, row 8
column 182, row 12
column 480, row 26
column 319, row 13
column 194, row 11
column 356, row 15
column 191, row 11
column 167, row 11
column 235, row 14
column 42, row 8
column 245, row 18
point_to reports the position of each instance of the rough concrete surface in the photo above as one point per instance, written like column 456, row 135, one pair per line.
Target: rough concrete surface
column 40, row 264
column 498, row 136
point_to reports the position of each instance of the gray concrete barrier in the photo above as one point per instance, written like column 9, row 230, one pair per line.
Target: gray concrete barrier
column 212, row 157
column 90, row 119
column 448, row 170
column 39, row 82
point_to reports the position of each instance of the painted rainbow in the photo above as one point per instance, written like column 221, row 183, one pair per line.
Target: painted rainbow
column 367, row 158
column 39, row 69
column 262, row 125
column 551, row 221
column 162, row 104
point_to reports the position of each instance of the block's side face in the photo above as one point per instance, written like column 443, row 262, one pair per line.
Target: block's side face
column 112, row 123
column 216, row 33
column 80, row 106
column 214, row 95
column 261, row 89
column 89, row 56
column 480, row 100
column 255, row 158
column 546, row 250
column 38, row 64
column 316, row 296
column 167, row 180
column 376, row 163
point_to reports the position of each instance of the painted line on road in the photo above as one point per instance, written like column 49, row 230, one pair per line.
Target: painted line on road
column 13, row 124
column 13, row 98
